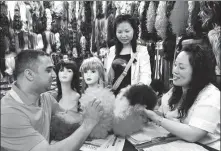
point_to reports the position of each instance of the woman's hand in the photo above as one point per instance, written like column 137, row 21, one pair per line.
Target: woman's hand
column 153, row 116
column 150, row 114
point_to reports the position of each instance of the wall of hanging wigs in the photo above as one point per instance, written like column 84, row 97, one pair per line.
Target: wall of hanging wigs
column 81, row 29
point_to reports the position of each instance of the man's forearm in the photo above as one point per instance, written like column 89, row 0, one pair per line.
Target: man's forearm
column 75, row 141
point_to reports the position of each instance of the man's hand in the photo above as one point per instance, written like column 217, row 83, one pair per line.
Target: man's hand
column 92, row 113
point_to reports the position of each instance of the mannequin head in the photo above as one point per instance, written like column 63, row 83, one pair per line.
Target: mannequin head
column 92, row 71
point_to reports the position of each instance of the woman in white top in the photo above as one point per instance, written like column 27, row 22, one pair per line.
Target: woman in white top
column 126, row 34
column 191, row 109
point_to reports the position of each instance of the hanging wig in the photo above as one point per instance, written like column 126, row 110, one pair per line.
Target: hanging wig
column 64, row 39
column 110, row 27
column 4, row 25
column 143, row 21
column 17, row 24
column 194, row 24
column 110, row 9
column 161, row 20
column 99, row 10
column 100, row 33
column 179, row 17
column 170, row 42
column 86, row 26
column 47, row 4
column 151, row 16
column 3, row 47
column 210, row 14
column 170, row 5
column 215, row 40
column 134, row 9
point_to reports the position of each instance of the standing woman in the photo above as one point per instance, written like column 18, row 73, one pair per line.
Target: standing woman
column 126, row 47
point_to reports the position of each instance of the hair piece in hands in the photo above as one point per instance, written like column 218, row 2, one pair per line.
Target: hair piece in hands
column 107, row 101
column 128, row 104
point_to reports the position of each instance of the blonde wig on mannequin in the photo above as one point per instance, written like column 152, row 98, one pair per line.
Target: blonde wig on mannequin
column 92, row 63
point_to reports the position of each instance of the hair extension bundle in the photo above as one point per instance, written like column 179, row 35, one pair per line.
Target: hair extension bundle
column 161, row 20
column 47, row 4
column 179, row 18
column 134, row 9
column 210, row 14
column 170, row 5
column 11, row 9
column 109, row 9
column 170, row 42
column 87, row 24
column 65, row 16
column 99, row 10
column 141, row 9
column 17, row 24
column 194, row 25
column 23, row 16
column 64, row 39
column 143, row 21
column 151, row 16
column 100, row 33
column 73, row 22
column 215, row 40
column 49, row 18
column 4, row 25
column 58, row 8
column 29, row 11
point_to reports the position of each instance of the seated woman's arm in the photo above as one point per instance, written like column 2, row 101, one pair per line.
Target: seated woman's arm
column 203, row 119
column 181, row 130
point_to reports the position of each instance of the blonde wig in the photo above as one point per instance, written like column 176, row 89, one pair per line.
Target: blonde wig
column 92, row 63
column 215, row 40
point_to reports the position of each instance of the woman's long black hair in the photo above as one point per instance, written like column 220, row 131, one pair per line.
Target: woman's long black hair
column 75, row 80
column 134, row 24
column 202, row 60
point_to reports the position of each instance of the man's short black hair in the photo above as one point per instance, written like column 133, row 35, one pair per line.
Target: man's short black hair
column 27, row 59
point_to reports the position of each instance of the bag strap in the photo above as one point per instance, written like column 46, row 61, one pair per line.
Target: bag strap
column 124, row 73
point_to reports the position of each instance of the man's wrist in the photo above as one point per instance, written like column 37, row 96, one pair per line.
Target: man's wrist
column 88, row 125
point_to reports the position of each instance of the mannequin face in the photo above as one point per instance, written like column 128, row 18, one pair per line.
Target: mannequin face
column 91, row 77
column 65, row 75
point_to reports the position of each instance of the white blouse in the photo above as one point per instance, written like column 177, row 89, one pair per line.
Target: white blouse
column 204, row 114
